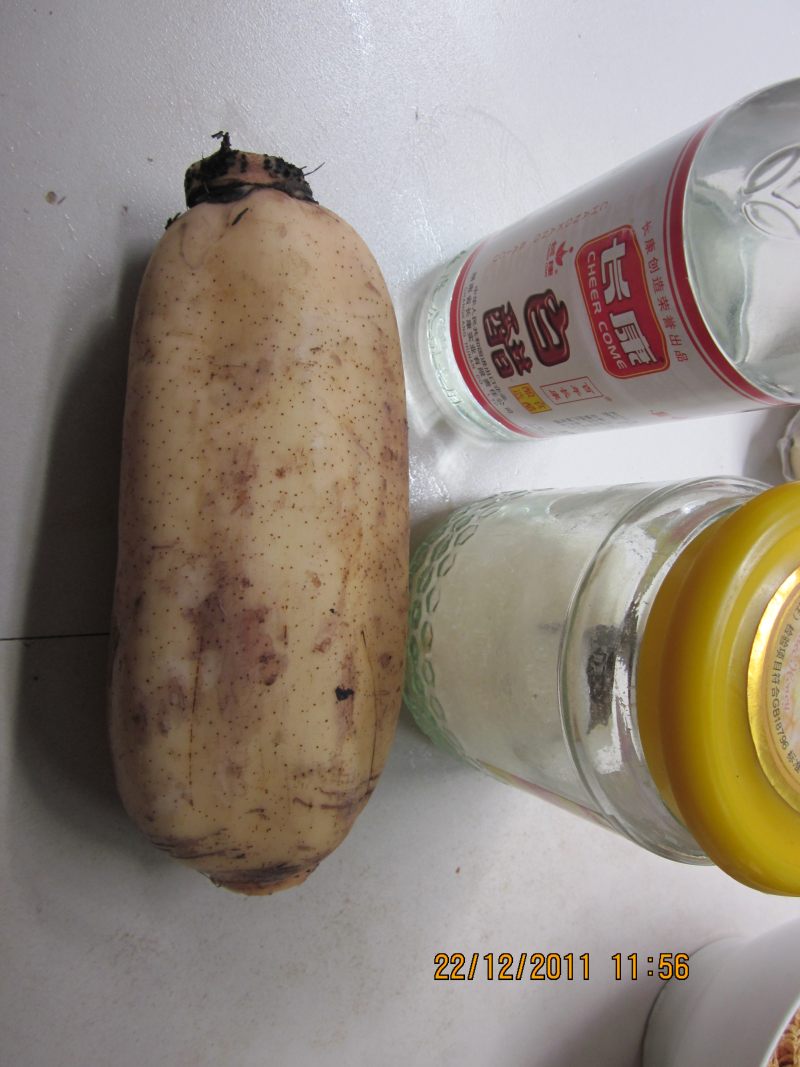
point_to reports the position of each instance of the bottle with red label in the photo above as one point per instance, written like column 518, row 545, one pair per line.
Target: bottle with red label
column 665, row 290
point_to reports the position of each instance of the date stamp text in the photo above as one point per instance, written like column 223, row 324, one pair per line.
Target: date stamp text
column 556, row 966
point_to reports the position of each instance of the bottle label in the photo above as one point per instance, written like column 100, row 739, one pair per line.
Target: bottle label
column 774, row 691
column 582, row 316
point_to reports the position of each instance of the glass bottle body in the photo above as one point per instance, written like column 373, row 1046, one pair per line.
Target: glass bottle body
column 527, row 613
column 663, row 290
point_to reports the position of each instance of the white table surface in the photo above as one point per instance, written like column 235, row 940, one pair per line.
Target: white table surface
column 436, row 124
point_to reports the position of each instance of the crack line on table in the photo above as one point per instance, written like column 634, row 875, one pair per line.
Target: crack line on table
column 54, row 637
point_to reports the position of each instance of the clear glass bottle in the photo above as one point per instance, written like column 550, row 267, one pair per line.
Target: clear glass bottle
column 664, row 290
column 545, row 647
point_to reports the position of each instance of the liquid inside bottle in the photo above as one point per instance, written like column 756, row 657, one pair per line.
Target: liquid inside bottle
column 742, row 236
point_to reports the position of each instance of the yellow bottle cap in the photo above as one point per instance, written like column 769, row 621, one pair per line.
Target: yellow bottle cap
column 718, row 691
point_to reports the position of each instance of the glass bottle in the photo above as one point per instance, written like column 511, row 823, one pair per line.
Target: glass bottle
column 664, row 290
column 614, row 650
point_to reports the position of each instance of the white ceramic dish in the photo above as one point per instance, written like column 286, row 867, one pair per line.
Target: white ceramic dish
column 733, row 1008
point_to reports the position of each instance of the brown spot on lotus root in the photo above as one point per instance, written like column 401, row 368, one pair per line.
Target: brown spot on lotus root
column 171, row 704
column 327, row 631
column 349, row 805
column 137, row 721
column 243, row 635
column 238, row 385
column 194, row 847
column 208, row 619
column 345, row 692
column 265, row 879
column 235, row 480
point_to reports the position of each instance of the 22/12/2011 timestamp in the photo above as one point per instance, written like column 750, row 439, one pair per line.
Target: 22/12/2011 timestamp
column 554, row 966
